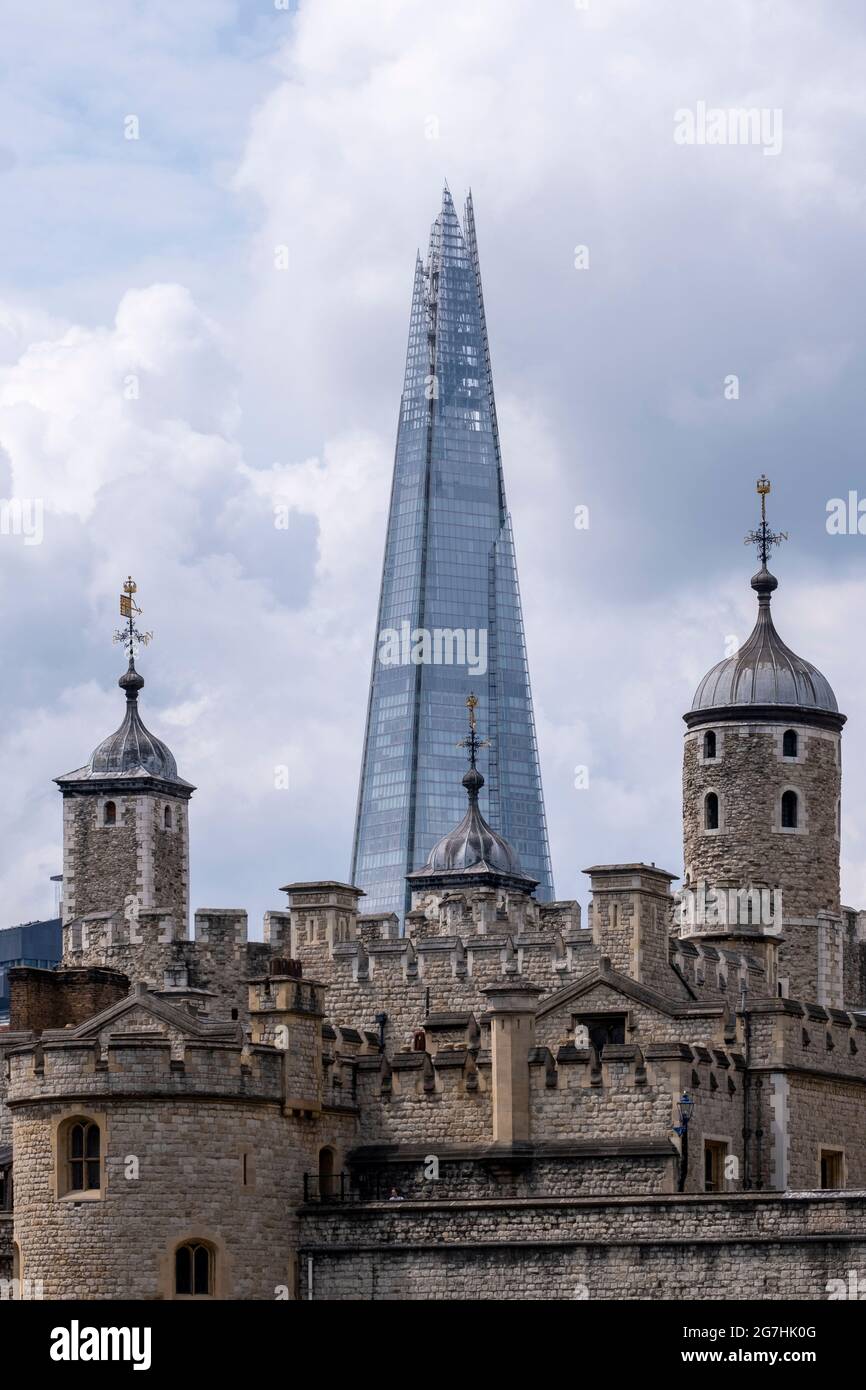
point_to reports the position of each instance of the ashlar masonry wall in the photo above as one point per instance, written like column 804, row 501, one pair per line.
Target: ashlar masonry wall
column 735, row 1247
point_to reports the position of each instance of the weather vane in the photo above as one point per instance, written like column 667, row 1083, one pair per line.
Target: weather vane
column 130, row 635
column 764, row 538
column 472, row 741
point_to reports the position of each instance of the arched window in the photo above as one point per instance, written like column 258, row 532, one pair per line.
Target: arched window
column 789, row 743
column 109, row 815
column 6, row 1187
column 326, row 1174
column 789, row 810
column 166, row 819
column 709, row 744
column 194, row 1270
column 711, row 811
column 81, row 1156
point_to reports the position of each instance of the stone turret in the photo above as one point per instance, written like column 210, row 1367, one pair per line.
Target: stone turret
column 190, row 1141
column 473, row 863
column 762, row 771
column 631, row 921
column 125, row 829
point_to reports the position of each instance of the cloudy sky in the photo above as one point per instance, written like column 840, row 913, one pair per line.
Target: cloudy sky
column 210, row 212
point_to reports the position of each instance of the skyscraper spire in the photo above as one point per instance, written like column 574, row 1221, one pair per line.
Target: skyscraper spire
column 449, row 609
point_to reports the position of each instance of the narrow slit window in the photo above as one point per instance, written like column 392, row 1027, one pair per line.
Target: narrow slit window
column 790, row 810
column 711, row 811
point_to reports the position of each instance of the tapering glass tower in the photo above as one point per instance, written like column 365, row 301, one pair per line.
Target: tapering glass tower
column 449, row 611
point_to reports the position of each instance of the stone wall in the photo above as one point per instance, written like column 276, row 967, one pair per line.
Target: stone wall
column 444, row 962
column 5, row 1245
column 854, row 956
column 416, row 1098
column 729, row 1247
column 631, row 921
column 100, row 862
column 692, row 1022
column 187, row 1161
column 719, row 971
column 565, row 1170
column 750, row 847
column 152, row 948
column 824, row 1113
column 137, row 859
column 198, row 1142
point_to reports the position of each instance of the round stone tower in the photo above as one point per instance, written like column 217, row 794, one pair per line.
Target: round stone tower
column 153, row 1158
column 761, row 800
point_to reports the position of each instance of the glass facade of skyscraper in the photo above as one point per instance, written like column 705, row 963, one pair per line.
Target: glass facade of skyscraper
column 449, row 612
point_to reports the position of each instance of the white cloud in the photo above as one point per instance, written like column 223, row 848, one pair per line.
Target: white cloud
column 262, row 387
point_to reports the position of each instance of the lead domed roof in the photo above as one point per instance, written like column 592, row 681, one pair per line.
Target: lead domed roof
column 132, row 751
column 765, row 671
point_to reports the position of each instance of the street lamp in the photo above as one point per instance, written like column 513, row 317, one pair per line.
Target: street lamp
column 685, row 1106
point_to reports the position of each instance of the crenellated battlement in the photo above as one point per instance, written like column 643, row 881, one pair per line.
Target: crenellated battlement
column 221, row 928
column 135, row 1065
column 454, row 946
column 151, row 947
column 714, row 969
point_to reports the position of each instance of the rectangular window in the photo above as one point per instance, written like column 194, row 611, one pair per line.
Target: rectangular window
column 600, row 1029
column 715, row 1152
column 832, row 1165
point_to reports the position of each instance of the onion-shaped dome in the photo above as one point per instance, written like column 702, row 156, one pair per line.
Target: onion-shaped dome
column 132, row 751
column 473, row 843
column 764, row 671
column 473, row 852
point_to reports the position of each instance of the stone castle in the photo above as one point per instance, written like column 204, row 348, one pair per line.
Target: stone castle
column 498, row 1099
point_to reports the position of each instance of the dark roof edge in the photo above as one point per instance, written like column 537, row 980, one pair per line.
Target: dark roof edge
column 766, row 714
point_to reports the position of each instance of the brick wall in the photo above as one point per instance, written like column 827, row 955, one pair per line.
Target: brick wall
column 52, row 998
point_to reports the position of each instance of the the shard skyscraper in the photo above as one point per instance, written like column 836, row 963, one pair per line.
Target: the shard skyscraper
column 449, row 611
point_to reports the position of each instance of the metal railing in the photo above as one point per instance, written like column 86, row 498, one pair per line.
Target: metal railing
column 342, row 1188
column 319, row 1187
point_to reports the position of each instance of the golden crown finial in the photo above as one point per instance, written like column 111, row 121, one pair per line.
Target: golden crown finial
column 129, row 609
column 764, row 538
